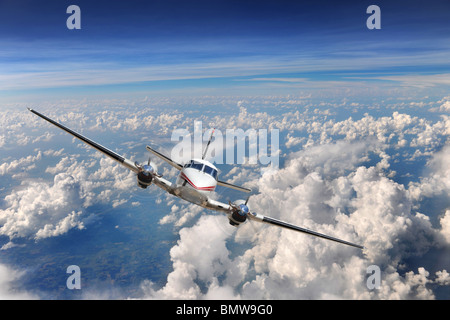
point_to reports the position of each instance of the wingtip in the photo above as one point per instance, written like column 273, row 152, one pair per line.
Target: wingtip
column 29, row 109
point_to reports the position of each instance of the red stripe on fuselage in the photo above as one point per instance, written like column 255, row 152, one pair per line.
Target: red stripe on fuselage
column 211, row 188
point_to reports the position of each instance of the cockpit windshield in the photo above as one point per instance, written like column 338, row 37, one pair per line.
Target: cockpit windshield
column 210, row 171
column 195, row 165
column 202, row 167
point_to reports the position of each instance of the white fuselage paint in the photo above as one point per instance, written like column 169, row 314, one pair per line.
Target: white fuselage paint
column 194, row 184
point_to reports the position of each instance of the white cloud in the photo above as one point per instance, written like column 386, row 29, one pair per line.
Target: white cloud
column 39, row 210
column 334, row 158
column 324, row 189
column 445, row 224
column 23, row 163
column 437, row 180
column 8, row 289
column 443, row 277
column 200, row 255
column 445, row 107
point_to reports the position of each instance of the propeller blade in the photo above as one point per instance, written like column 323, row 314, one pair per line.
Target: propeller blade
column 286, row 225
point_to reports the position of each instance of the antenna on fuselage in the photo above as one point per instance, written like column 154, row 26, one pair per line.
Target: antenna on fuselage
column 209, row 141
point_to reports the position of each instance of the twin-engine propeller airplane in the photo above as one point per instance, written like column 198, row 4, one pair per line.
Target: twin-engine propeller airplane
column 195, row 182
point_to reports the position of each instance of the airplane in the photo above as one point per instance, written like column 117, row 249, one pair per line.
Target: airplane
column 196, row 180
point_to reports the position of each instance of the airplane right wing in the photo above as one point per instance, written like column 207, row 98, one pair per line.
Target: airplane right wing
column 264, row 219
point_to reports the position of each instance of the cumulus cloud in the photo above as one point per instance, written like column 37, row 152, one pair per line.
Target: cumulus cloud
column 329, row 186
column 334, row 158
column 300, row 266
column 445, row 224
column 445, row 107
column 437, row 177
column 40, row 210
column 23, row 163
column 323, row 188
column 199, row 258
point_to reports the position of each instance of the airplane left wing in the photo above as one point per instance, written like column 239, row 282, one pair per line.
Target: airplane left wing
column 158, row 180
column 166, row 159
column 113, row 155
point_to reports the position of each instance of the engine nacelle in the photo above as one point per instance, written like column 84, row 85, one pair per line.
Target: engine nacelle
column 144, row 179
column 239, row 214
column 235, row 219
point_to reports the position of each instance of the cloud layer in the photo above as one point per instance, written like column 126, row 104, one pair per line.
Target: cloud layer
column 339, row 178
column 281, row 264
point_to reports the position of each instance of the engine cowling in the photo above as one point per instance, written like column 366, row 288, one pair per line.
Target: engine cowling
column 239, row 213
column 145, row 176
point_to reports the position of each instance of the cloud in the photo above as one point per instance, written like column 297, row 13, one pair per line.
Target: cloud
column 180, row 213
column 445, row 107
column 40, row 210
column 334, row 158
column 25, row 163
column 328, row 186
column 199, row 259
column 8, row 288
column 445, row 224
column 322, row 188
column 437, row 178
column 420, row 81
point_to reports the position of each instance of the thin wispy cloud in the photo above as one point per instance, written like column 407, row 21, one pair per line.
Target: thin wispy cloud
column 45, row 72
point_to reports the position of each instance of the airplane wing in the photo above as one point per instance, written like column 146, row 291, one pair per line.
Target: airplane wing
column 166, row 159
column 238, row 213
column 158, row 180
column 260, row 218
column 233, row 186
column 113, row 155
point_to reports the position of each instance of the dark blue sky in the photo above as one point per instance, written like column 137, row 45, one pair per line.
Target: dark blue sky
column 30, row 19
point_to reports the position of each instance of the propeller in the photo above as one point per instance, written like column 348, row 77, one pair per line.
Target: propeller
column 150, row 167
column 240, row 213
column 146, row 173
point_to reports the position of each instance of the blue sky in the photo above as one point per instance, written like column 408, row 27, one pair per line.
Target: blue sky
column 219, row 46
